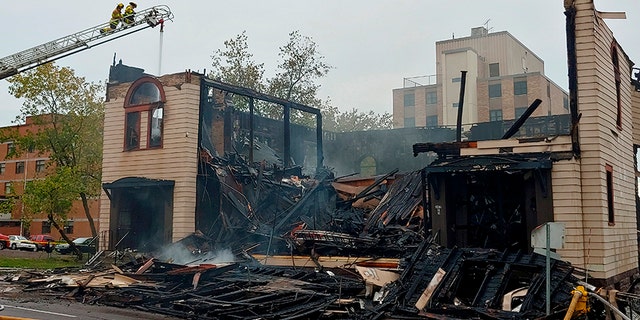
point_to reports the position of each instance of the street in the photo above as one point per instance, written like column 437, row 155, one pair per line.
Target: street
column 67, row 310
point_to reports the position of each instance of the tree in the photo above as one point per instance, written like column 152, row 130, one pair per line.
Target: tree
column 296, row 77
column 67, row 113
column 53, row 196
column 354, row 120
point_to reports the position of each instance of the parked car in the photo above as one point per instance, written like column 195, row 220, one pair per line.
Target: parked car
column 4, row 241
column 85, row 245
column 43, row 240
column 22, row 243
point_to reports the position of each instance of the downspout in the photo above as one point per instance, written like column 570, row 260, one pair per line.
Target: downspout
column 572, row 64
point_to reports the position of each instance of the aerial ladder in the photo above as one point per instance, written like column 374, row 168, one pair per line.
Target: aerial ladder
column 80, row 41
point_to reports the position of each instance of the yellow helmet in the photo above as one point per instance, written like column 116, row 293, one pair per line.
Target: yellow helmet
column 120, row 5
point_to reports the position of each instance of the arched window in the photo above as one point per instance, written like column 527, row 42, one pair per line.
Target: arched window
column 144, row 102
column 368, row 167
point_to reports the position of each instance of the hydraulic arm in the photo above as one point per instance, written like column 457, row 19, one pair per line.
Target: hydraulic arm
column 85, row 39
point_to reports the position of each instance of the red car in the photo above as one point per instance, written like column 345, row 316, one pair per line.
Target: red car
column 4, row 241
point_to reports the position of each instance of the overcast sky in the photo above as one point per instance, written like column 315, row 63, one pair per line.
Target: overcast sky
column 372, row 44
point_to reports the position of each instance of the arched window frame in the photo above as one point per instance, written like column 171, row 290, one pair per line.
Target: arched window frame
column 133, row 114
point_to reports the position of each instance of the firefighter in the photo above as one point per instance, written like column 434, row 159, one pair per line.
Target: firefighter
column 129, row 13
column 116, row 17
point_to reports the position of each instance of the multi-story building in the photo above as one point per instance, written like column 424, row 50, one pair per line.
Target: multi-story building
column 15, row 172
column 502, row 78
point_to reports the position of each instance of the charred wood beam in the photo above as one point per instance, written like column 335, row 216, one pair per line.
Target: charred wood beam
column 463, row 80
column 516, row 125
column 572, row 64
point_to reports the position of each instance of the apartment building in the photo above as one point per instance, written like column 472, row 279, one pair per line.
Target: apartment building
column 15, row 172
column 502, row 78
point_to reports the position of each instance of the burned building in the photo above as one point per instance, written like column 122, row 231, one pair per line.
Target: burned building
column 493, row 194
column 165, row 138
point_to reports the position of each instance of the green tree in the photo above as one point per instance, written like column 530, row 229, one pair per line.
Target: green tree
column 296, row 79
column 67, row 113
column 53, row 196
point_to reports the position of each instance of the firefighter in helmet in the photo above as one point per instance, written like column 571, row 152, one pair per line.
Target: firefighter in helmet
column 129, row 13
column 116, row 17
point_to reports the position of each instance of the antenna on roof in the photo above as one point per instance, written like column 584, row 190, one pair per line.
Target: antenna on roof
column 486, row 25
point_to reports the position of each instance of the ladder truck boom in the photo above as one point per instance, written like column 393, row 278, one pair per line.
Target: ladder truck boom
column 79, row 41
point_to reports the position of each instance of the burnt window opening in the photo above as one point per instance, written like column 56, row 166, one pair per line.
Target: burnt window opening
column 610, row 207
column 155, row 130
column 144, row 102
column 132, row 134
column 618, row 81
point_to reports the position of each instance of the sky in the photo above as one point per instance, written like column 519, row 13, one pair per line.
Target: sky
column 372, row 45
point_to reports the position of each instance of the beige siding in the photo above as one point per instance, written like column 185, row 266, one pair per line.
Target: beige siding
column 612, row 249
column 175, row 161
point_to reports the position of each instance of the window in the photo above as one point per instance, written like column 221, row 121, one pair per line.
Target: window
column 520, row 111
column 155, row 132
column 20, row 167
column 495, row 90
column 458, row 79
column 368, row 167
column 68, row 227
column 565, row 102
column 494, row 70
column 432, row 121
column 617, row 78
column 145, row 95
column 495, row 115
column 454, row 105
column 610, row 211
column 3, row 167
column 46, row 227
column 409, row 122
column 10, row 148
column 133, row 131
column 39, row 165
column 520, row 87
column 409, row 99
column 8, row 188
column 432, row 97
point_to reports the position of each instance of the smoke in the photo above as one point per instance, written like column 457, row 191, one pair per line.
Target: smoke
column 179, row 253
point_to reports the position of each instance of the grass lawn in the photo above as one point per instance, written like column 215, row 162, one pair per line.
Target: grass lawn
column 40, row 263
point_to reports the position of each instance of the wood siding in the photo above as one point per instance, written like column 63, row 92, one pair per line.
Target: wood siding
column 610, row 249
column 176, row 160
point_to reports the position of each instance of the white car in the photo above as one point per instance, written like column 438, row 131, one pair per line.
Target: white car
column 22, row 243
